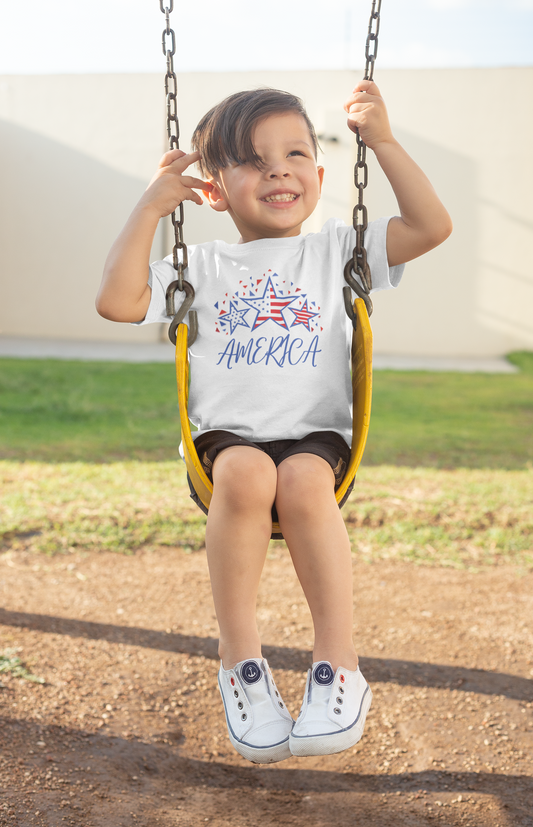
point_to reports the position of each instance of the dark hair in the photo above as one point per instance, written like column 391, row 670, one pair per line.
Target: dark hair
column 224, row 135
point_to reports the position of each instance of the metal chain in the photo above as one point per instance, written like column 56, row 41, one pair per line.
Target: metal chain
column 358, row 263
column 168, row 42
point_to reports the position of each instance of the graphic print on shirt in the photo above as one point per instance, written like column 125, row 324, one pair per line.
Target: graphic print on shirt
column 286, row 319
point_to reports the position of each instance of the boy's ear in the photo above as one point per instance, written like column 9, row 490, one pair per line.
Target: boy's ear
column 215, row 197
column 320, row 171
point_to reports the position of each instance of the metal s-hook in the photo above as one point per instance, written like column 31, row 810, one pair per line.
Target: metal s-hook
column 182, row 312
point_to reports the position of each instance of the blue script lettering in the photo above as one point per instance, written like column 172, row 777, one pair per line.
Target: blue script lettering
column 280, row 350
column 312, row 352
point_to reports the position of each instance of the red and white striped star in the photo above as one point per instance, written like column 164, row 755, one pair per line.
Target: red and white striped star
column 303, row 316
column 269, row 307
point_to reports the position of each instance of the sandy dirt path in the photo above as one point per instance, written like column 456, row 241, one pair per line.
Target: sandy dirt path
column 128, row 727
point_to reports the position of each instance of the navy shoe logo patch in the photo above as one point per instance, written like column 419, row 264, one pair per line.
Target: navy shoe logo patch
column 323, row 674
column 250, row 672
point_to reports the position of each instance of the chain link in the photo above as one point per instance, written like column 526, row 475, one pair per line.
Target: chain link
column 358, row 263
column 371, row 48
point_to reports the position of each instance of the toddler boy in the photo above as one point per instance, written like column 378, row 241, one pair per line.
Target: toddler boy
column 270, row 383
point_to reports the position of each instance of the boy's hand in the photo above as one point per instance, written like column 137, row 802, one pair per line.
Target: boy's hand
column 169, row 187
column 423, row 222
column 124, row 295
column 367, row 114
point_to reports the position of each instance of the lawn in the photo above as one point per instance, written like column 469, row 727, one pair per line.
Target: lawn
column 90, row 461
column 453, row 420
column 457, row 518
column 60, row 411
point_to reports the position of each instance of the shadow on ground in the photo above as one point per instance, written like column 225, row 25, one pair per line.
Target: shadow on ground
column 406, row 673
column 189, row 791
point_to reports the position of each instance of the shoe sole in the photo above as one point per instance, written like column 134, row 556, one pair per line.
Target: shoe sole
column 262, row 755
column 332, row 742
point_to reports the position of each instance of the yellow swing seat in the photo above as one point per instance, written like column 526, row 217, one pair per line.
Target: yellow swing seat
column 362, row 399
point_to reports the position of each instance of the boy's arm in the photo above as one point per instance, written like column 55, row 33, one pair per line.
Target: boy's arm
column 124, row 294
column 424, row 222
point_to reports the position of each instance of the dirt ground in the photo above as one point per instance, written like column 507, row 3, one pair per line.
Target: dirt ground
column 128, row 727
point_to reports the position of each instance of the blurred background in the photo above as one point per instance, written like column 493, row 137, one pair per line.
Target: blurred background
column 82, row 127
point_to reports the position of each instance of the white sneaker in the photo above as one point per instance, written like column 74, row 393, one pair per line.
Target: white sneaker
column 258, row 722
column 334, row 708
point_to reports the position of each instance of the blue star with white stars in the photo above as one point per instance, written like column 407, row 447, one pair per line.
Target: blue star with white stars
column 234, row 317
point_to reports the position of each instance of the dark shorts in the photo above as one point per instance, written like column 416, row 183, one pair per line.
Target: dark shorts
column 326, row 444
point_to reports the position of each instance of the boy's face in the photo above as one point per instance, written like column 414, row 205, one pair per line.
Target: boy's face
column 274, row 201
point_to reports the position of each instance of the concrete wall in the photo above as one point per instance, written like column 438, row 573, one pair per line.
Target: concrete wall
column 77, row 152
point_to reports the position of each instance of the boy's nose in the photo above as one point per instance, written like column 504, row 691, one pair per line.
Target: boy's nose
column 278, row 168
column 279, row 172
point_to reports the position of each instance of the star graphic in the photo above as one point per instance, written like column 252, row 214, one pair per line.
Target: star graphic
column 303, row 316
column 269, row 306
column 234, row 317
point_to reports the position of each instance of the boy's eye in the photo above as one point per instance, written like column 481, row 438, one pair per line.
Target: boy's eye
column 295, row 152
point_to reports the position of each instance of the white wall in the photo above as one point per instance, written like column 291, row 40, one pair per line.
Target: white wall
column 77, row 152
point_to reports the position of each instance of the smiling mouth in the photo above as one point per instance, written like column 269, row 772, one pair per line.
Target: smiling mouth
column 281, row 196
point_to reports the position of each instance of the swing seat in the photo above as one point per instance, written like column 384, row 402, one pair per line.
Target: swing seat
column 362, row 399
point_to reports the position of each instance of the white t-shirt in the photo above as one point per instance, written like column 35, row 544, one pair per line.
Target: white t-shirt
column 272, row 357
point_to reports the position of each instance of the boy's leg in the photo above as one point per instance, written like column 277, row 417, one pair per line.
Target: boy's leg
column 239, row 526
column 238, row 530
column 312, row 525
column 336, row 697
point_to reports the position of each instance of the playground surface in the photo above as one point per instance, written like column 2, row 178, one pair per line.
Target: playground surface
column 128, row 729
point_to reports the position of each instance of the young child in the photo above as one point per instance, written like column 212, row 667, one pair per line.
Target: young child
column 270, row 388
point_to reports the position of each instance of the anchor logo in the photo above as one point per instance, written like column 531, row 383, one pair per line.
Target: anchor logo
column 323, row 674
column 250, row 672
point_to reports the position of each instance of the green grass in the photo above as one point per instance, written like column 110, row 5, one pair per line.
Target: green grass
column 459, row 518
column 58, row 411
column 89, row 455
column 452, row 420
column 11, row 664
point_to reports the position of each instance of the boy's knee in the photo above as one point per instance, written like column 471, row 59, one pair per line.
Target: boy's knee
column 304, row 481
column 244, row 475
